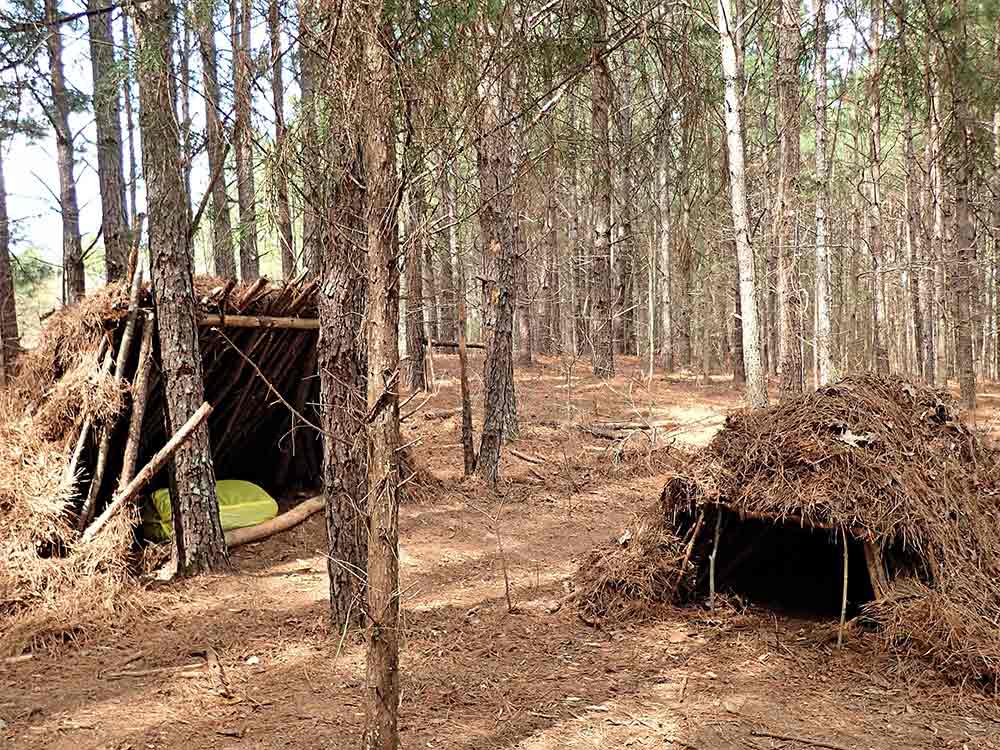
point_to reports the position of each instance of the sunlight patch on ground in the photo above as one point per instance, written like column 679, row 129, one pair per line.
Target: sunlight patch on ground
column 609, row 724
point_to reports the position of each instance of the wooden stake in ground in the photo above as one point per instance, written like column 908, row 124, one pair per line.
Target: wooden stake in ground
column 150, row 470
column 711, row 559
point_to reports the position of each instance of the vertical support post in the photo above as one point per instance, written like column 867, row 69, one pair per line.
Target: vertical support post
column 711, row 559
column 843, row 600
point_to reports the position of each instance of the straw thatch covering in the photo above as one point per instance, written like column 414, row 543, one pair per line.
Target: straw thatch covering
column 884, row 463
column 79, row 419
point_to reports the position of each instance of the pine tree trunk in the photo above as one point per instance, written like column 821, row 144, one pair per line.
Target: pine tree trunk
column 110, row 170
column 625, row 255
column 133, row 179
column 552, row 339
column 283, row 209
column 311, row 24
column 243, row 138
column 578, row 250
column 914, row 239
column 995, row 218
column 431, row 291
column 525, row 340
column 468, row 438
column 792, row 380
column 496, row 217
column 9, row 337
column 880, row 345
column 965, row 252
column 739, row 366
column 933, row 372
column 416, row 331
column 223, row 255
column 522, row 301
column 74, row 274
column 756, row 390
column 199, row 545
column 499, row 398
column 379, row 141
column 663, row 271
column 602, row 328
column 184, row 84
column 449, row 257
column 824, row 350
column 343, row 369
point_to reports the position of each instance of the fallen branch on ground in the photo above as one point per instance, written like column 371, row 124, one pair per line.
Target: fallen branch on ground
column 525, row 457
column 280, row 523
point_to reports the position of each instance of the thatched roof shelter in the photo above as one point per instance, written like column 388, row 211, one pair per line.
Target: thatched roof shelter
column 82, row 415
column 875, row 471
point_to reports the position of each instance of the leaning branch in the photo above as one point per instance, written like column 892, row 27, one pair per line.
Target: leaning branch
column 149, row 470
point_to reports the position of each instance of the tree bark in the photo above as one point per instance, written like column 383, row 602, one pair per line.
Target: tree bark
column 199, row 545
column 379, row 141
column 468, row 437
column 449, row 257
column 184, row 84
column 824, row 349
column 279, row 173
column 933, row 218
column 664, row 260
column 74, row 274
column 133, row 170
column 578, row 250
column 552, row 339
column 110, row 170
column 876, row 238
column 223, row 254
column 756, row 387
column 911, row 201
column 416, row 330
column 243, row 137
column 963, row 166
column 602, row 324
column 496, row 217
column 9, row 337
column 995, row 215
column 625, row 249
column 522, row 301
column 311, row 26
column 343, row 370
column 788, row 199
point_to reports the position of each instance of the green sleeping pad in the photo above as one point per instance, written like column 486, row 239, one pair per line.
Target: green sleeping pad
column 240, row 504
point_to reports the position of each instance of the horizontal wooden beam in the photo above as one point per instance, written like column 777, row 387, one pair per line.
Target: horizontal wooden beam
column 454, row 344
column 259, row 321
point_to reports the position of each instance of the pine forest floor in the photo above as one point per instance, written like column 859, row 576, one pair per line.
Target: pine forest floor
column 475, row 675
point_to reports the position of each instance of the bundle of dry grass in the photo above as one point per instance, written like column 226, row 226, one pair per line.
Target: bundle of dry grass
column 889, row 464
column 69, row 341
column 49, row 585
column 634, row 576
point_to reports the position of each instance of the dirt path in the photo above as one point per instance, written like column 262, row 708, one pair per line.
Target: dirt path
column 476, row 675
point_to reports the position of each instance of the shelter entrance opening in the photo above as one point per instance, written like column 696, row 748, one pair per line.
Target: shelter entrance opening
column 795, row 570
